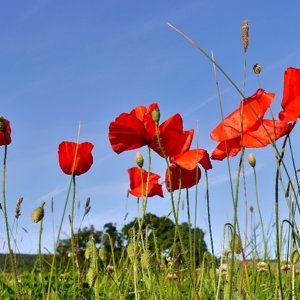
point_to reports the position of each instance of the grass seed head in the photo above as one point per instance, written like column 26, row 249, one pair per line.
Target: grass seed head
column 245, row 35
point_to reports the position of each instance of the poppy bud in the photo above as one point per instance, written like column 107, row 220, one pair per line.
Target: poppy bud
column 2, row 124
column 38, row 213
column 139, row 159
column 245, row 35
column 251, row 160
column 257, row 68
column 156, row 115
column 295, row 257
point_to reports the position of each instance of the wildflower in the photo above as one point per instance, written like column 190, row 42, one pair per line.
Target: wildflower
column 139, row 186
column 291, row 96
column 137, row 129
column 261, row 264
column 285, row 267
column 71, row 165
column 244, row 128
column 171, row 276
column 5, row 132
column 184, row 169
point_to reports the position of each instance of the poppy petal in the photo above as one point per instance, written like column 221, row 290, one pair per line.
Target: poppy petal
column 138, row 183
column 5, row 138
column 172, row 137
column 231, row 147
column 181, row 178
column 127, row 133
column 291, row 96
column 260, row 138
column 231, row 126
column 190, row 159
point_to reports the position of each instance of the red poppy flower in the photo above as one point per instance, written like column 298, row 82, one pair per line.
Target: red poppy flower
column 138, row 183
column 137, row 129
column 291, row 96
column 66, row 156
column 5, row 132
column 184, row 169
column 256, row 131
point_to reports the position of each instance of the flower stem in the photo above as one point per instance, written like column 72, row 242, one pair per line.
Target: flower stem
column 12, row 258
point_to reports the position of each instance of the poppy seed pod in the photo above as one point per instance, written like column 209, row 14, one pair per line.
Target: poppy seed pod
column 252, row 160
column 257, row 68
column 38, row 213
column 156, row 115
column 139, row 159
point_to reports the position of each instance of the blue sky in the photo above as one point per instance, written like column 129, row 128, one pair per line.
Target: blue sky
column 65, row 62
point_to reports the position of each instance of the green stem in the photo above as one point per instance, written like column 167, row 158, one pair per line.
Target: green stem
column 12, row 258
column 57, row 241
column 210, row 230
column 40, row 256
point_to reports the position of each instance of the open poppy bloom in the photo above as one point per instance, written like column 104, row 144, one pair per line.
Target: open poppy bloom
column 244, row 128
column 67, row 161
column 291, row 96
column 138, row 183
column 137, row 129
column 5, row 132
column 184, row 169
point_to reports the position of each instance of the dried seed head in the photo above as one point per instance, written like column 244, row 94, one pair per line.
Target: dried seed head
column 18, row 207
column 251, row 209
column 257, row 68
column 87, row 202
column 38, row 213
column 252, row 160
column 110, row 269
column 156, row 115
column 245, row 35
column 139, row 159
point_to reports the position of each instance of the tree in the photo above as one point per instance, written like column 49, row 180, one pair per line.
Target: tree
column 161, row 230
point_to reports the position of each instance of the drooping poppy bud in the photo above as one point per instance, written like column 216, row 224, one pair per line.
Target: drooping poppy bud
column 139, row 159
column 38, row 213
column 252, row 160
